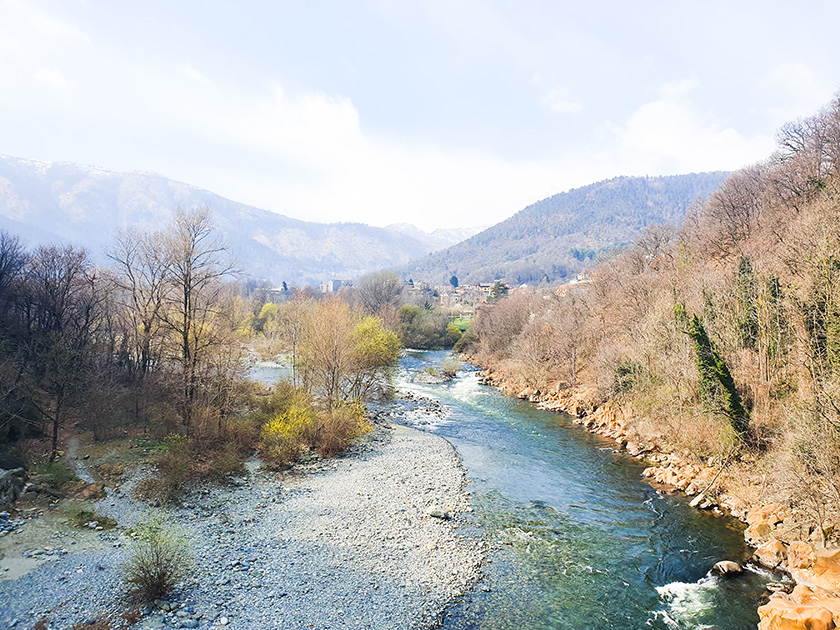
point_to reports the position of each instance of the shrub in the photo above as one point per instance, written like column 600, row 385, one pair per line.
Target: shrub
column 54, row 475
column 450, row 366
column 339, row 426
column 157, row 561
column 467, row 342
column 453, row 334
column 182, row 461
column 287, row 434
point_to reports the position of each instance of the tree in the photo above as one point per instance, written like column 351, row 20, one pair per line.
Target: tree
column 142, row 273
column 454, row 281
column 375, row 349
column 376, row 290
column 198, row 263
column 717, row 387
column 13, row 406
column 344, row 354
column 498, row 292
column 62, row 319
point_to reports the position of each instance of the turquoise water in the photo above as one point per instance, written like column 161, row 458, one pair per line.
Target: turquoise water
column 581, row 540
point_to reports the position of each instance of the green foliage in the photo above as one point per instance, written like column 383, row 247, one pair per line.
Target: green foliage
column 54, row 474
column 424, row 329
column 374, row 345
column 158, row 559
column 582, row 254
column 462, row 323
column 453, row 334
column 626, row 376
column 717, row 387
column 287, row 434
column 821, row 312
column 454, row 282
column 498, row 292
column 300, row 426
column 467, row 342
column 747, row 318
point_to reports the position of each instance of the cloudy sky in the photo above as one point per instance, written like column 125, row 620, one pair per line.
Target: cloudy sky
column 440, row 113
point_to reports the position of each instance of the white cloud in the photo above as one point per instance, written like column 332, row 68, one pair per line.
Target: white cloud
column 672, row 135
column 52, row 78
column 797, row 90
column 53, row 27
column 558, row 100
column 188, row 71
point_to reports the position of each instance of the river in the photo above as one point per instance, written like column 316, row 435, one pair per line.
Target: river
column 582, row 541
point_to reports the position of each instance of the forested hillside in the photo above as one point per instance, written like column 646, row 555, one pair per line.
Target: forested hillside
column 563, row 234
column 722, row 340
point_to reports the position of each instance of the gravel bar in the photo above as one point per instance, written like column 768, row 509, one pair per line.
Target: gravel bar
column 382, row 537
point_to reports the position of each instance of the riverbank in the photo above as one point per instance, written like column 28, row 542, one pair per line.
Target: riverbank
column 780, row 540
column 373, row 539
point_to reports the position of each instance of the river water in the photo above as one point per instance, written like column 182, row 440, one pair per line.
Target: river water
column 581, row 540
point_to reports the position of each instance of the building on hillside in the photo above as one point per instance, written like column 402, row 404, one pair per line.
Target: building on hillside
column 332, row 286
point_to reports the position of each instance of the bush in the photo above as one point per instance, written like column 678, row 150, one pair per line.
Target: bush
column 450, row 366
column 157, row 561
column 339, row 426
column 182, row 461
column 287, row 434
column 467, row 342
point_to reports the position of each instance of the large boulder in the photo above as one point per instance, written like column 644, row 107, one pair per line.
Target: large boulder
column 819, row 568
column 803, row 609
column 727, row 568
column 772, row 554
column 762, row 521
column 12, row 483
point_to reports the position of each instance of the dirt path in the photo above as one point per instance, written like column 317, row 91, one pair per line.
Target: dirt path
column 79, row 465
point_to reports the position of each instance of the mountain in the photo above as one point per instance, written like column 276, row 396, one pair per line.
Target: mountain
column 436, row 240
column 66, row 202
column 563, row 234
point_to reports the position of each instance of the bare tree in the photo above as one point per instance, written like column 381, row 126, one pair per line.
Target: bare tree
column 198, row 261
column 62, row 319
column 142, row 275
column 378, row 290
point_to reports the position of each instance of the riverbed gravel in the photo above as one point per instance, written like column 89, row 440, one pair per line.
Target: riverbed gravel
column 382, row 537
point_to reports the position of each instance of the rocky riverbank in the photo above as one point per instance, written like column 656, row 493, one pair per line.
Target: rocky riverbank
column 772, row 529
column 375, row 539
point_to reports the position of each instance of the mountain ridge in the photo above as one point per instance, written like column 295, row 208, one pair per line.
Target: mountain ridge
column 561, row 235
column 86, row 205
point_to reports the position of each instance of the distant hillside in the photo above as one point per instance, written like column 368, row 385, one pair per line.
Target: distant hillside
column 563, row 234
column 50, row 202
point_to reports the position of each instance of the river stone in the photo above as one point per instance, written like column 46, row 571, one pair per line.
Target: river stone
column 727, row 568
column 771, row 554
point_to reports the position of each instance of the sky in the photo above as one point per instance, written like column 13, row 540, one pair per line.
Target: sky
column 438, row 113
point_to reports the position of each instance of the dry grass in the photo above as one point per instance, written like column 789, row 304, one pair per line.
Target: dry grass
column 181, row 462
